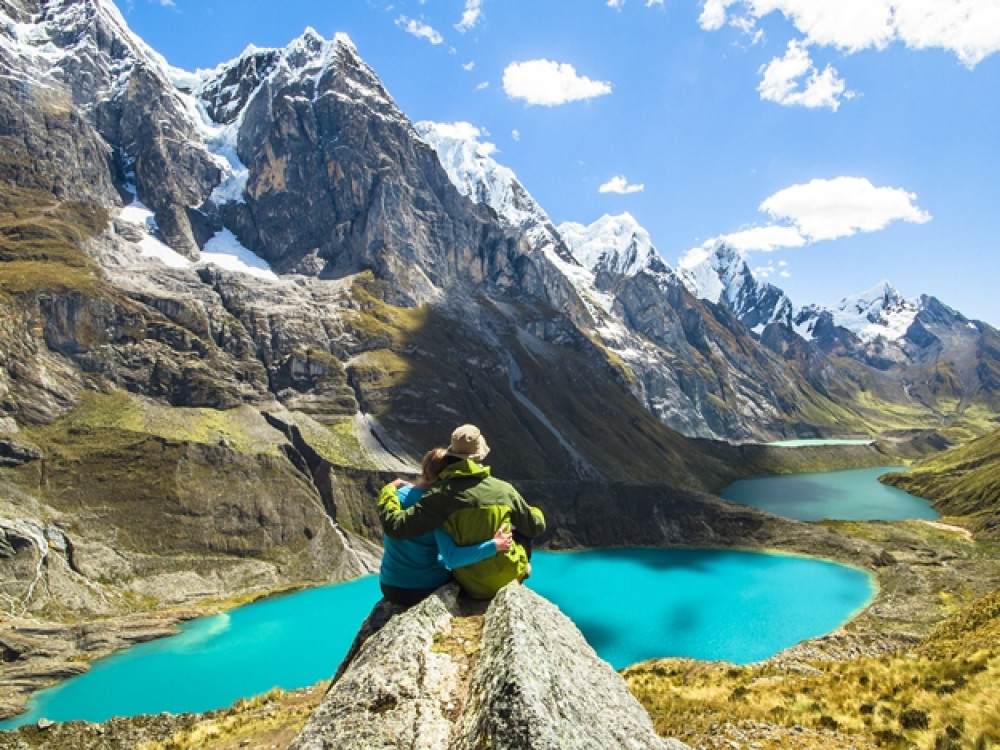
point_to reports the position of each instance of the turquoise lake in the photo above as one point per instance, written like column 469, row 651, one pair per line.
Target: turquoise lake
column 849, row 495
column 630, row 604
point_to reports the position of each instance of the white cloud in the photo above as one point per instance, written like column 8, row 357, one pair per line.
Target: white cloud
column 764, row 272
column 713, row 14
column 470, row 16
column 549, row 83
column 763, row 239
column 818, row 210
column 619, row 184
column 782, row 78
column 483, row 85
column 828, row 209
column 419, row 29
column 970, row 29
column 471, row 65
column 651, row 3
column 461, row 130
column 515, row 134
column 616, row 4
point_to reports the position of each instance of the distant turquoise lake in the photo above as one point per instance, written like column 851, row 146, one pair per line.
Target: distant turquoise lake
column 630, row 604
column 849, row 495
column 805, row 442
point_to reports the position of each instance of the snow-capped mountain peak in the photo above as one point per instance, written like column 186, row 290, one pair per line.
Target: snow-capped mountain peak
column 881, row 311
column 719, row 273
column 708, row 270
column 617, row 245
column 69, row 36
column 471, row 167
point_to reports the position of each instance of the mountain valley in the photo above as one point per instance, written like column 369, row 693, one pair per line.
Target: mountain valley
column 233, row 304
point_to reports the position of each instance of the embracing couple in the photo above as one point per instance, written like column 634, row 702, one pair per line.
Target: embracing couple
column 456, row 520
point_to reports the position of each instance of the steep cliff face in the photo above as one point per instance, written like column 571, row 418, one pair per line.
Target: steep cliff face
column 338, row 182
column 98, row 108
column 446, row 674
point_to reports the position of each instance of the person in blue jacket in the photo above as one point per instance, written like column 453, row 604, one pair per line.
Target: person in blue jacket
column 413, row 568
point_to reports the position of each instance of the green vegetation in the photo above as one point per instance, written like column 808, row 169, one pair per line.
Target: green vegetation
column 40, row 241
column 962, row 481
column 101, row 415
column 379, row 323
column 941, row 696
column 337, row 442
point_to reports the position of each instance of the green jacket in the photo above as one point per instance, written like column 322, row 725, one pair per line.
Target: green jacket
column 470, row 505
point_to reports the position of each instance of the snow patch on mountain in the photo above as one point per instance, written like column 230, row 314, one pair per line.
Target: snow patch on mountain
column 222, row 250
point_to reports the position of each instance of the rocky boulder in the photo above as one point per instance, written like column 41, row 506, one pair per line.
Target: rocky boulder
column 452, row 673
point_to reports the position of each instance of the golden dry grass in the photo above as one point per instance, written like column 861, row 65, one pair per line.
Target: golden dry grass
column 943, row 695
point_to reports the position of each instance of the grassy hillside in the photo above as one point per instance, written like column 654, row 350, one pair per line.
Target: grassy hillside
column 942, row 695
column 962, row 482
column 40, row 242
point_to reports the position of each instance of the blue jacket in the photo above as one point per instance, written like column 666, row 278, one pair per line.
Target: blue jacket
column 426, row 561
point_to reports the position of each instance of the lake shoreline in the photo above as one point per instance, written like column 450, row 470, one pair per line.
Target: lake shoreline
column 911, row 561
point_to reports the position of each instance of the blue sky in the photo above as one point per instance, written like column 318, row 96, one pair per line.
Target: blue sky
column 839, row 143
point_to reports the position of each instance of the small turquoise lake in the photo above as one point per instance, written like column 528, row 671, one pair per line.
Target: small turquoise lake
column 849, row 495
column 630, row 604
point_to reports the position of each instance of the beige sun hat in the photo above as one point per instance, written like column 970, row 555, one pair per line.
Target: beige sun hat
column 468, row 442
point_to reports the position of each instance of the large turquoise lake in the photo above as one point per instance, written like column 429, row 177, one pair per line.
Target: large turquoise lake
column 631, row 604
column 849, row 495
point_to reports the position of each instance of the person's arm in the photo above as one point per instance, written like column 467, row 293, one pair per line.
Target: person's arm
column 406, row 524
column 453, row 556
column 527, row 519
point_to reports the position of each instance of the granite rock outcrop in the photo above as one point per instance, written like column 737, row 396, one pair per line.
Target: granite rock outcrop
column 450, row 673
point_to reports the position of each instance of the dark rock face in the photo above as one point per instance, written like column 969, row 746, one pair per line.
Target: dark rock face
column 45, row 142
column 13, row 453
column 528, row 681
column 339, row 183
column 173, row 173
column 104, row 113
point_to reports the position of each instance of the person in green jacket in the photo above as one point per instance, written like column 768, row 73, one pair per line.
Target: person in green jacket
column 412, row 569
column 471, row 505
